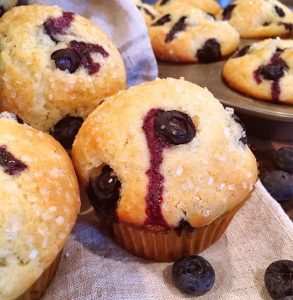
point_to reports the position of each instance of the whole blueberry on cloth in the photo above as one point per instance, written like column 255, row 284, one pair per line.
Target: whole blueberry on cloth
column 193, row 275
column 284, row 159
column 279, row 184
column 279, row 279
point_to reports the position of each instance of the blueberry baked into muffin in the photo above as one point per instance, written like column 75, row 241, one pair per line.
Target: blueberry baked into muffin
column 55, row 68
column 190, row 35
column 148, row 12
column 39, row 198
column 208, row 6
column 5, row 5
column 263, row 70
column 259, row 18
column 165, row 167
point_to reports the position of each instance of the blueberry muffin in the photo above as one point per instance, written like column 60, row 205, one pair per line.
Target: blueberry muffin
column 39, row 205
column 6, row 5
column 55, row 68
column 208, row 6
column 192, row 36
column 263, row 70
column 165, row 167
column 148, row 12
column 259, row 18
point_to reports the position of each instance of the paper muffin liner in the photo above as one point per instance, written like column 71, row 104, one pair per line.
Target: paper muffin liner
column 172, row 245
column 37, row 290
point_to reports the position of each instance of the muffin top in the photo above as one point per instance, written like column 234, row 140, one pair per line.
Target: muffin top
column 39, row 204
column 259, row 18
column 55, row 64
column 162, row 154
column 191, row 35
column 263, row 70
column 208, row 6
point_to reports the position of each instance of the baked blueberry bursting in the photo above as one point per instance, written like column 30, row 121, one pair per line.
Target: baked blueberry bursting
column 193, row 275
column 85, row 50
column 164, row 2
column 243, row 51
column 227, row 13
column 274, row 71
column 279, row 279
column 162, row 129
column 183, row 224
column 180, row 25
column 243, row 139
column 19, row 120
column 11, row 165
column 288, row 26
column 66, row 130
column 55, row 26
column 280, row 12
column 66, row 60
column 163, row 20
column 104, row 191
column 146, row 11
column 2, row 10
column 210, row 52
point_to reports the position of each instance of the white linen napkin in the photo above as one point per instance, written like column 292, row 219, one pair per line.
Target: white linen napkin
column 94, row 267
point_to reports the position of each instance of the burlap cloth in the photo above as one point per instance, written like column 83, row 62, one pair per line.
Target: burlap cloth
column 94, row 267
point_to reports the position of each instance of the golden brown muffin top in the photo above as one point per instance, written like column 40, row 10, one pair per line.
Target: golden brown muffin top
column 39, row 198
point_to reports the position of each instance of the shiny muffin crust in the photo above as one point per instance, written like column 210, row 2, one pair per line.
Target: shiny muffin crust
column 192, row 36
column 263, row 70
column 39, row 204
column 259, row 18
column 202, row 179
column 55, row 64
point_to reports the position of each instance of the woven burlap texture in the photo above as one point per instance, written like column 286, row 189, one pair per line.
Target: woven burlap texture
column 94, row 267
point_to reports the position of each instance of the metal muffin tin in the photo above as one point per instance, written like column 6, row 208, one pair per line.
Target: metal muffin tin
column 265, row 119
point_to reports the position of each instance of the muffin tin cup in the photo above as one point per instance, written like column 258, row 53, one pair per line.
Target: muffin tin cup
column 172, row 245
column 38, row 289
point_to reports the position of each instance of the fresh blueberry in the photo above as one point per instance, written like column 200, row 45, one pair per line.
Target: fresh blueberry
column 66, row 130
column 280, row 12
column 279, row 279
column 227, row 13
column 279, row 184
column 210, row 52
column 180, row 25
column 66, row 59
column 193, row 275
column 284, row 159
column 175, row 127
column 243, row 139
column 163, row 20
column 11, row 165
column 104, row 191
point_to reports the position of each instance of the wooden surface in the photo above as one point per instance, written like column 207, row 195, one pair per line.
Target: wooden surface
column 264, row 151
